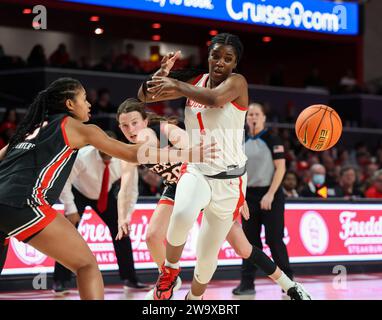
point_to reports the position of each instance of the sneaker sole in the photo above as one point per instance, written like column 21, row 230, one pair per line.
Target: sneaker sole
column 61, row 294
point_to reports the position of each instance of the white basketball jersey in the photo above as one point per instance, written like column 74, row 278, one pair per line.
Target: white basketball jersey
column 225, row 124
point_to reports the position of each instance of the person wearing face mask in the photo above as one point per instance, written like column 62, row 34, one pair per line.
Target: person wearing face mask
column 316, row 187
column 265, row 198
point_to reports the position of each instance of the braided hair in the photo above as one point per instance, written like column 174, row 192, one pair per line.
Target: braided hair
column 228, row 39
column 47, row 102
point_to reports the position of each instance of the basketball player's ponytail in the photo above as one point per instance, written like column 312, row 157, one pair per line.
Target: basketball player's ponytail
column 47, row 102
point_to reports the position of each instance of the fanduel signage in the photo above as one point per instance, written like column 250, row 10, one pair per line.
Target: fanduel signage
column 308, row 15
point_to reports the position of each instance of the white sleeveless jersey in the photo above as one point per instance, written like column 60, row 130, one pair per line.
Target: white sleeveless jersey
column 225, row 124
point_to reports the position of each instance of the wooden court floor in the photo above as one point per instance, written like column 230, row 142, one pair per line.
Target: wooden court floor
column 323, row 287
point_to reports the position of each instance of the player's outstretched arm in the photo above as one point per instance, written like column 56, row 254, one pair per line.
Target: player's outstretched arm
column 80, row 135
column 229, row 90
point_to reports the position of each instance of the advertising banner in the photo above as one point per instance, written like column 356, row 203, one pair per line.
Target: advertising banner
column 313, row 233
column 310, row 15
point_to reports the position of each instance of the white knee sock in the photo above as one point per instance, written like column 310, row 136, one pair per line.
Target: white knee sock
column 285, row 282
column 171, row 265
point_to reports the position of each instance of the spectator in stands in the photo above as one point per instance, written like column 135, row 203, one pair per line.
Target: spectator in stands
column 84, row 63
column 375, row 191
column 316, row 186
column 314, row 79
column 330, row 167
column 104, row 65
column 9, row 62
column 347, row 186
column 103, row 104
column 276, row 77
column 60, row 57
column 343, row 158
column 128, row 62
column 348, row 83
column 369, row 175
column 91, row 96
column 37, row 57
column 8, row 124
column 290, row 184
column 379, row 156
column 359, row 149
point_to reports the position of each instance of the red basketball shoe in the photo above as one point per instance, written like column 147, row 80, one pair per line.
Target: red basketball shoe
column 164, row 287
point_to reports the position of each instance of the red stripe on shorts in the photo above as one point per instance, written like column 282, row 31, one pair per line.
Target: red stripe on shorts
column 166, row 201
column 49, row 214
column 183, row 169
column 241, row 200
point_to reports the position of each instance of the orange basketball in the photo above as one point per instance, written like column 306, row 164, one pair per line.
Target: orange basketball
column 318, row 127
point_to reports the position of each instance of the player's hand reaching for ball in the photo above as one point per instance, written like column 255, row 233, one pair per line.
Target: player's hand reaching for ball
column 167, row 63
column 160, row 87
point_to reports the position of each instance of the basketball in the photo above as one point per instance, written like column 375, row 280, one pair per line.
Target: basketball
column 318, row 127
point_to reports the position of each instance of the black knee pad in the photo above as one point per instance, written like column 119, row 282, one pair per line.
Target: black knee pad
column 261, row 260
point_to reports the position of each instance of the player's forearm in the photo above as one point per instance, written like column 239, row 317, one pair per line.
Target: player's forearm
column 201, row 95
column 124, row 204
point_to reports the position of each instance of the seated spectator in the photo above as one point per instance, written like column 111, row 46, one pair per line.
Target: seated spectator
column 103, row 104
column 128, row 62
column 375, row 191
column 368, row 176
column 330, row 168
column 10, row 62
column 8, row 124
column 343, row 158
column 91, row 96
column 60, row 57
column 348, row 83
column 104, row 65
column 290, row 184
column 276, row 77
column 316, row 186
column 313, row 80
column 347, row 186
column 37, row 57
column 84, row 63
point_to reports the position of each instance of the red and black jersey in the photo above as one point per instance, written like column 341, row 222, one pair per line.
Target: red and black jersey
column 170, row 172
column 35, row 170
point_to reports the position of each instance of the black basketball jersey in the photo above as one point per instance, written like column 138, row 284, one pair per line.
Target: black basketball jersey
column 34, row 171
column 170, row 172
